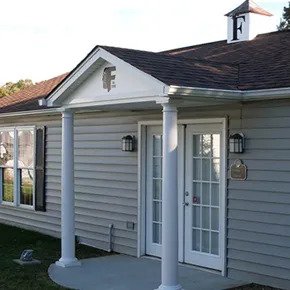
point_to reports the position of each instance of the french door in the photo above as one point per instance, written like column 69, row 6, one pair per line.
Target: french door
column 154, row 191
column 202, row 210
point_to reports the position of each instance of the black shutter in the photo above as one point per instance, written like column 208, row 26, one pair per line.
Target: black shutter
column 40, row 203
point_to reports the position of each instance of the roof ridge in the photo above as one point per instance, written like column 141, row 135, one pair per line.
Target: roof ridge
column 191, row 46
column 177, row 57
column 181, row 49
column 125, row 48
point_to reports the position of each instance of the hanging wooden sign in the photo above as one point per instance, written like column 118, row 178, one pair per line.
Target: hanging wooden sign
column 238, row 170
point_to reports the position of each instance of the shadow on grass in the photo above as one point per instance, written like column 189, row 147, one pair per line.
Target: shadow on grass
column 47, row 249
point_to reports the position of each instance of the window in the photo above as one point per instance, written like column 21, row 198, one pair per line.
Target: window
column 17, row 151
column 7, row 165
column 25, row 167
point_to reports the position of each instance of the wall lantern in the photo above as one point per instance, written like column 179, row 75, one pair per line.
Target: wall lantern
column 128, row 143
column 237, row 143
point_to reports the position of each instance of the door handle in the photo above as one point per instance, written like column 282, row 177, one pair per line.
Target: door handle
column 185, row 204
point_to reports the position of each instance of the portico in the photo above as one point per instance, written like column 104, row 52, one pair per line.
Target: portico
column 82, row 91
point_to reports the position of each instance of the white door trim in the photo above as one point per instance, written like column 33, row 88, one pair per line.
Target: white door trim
column 181, row 188
column 141, row 228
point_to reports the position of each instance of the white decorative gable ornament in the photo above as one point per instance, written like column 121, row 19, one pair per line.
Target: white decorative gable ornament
column 246, row 21
column 109, row 78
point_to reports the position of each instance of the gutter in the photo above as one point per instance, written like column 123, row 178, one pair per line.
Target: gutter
column 202, row 92
column 177, row 92
column 267, row 94
column 30, row 113
column 238, row 95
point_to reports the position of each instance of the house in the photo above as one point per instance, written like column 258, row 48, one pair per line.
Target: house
column 183, row 154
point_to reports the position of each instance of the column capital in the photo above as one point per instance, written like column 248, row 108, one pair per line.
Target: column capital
column 169, row 107
column 67, row 114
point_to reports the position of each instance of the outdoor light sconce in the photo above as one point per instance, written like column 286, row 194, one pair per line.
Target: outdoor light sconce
column 237, row 143
column 128, row 143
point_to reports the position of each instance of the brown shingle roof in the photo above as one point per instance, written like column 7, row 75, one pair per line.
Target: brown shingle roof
column 27, row 99
column 262, row 63
column 179, row 70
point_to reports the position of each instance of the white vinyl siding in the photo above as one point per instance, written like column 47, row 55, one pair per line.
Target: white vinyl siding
column 258, row 216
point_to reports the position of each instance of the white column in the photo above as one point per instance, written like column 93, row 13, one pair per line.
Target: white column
column 68, row 258
column 169, row 270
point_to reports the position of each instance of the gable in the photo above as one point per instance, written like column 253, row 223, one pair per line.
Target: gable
column 103, row 77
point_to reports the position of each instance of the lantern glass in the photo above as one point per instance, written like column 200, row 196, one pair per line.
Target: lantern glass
column 128, row 143
column 236, row 143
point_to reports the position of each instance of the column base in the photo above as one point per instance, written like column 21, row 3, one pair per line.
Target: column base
column 176, row 287
column 65, row 263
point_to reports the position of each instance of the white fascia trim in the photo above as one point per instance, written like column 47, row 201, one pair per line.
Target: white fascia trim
column 203, row 92
column 111, row 102
column 68, row 82
column 31, row 113
column 266, row 94
column 238, row 95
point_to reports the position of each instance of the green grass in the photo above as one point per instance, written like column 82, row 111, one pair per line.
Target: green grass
column 47, row 249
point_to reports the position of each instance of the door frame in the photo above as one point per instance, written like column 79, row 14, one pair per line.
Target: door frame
column 141, row 229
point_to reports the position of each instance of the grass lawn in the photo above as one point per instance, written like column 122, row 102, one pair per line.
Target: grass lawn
column 47, row 249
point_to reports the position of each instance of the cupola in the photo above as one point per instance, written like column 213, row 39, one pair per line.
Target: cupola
column 246, row 21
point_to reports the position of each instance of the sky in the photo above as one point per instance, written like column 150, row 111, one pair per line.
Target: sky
column 43, row 39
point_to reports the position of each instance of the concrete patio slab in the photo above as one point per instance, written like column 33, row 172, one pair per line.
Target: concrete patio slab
column 120, row 272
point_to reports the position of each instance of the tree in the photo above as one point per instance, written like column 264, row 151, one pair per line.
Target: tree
column 285, row 20
column 10, row 88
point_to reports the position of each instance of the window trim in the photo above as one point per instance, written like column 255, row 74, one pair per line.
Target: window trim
column 17, row 185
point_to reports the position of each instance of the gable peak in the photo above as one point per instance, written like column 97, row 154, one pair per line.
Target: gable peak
column 248, row 6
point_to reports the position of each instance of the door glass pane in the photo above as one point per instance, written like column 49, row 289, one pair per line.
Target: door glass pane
column 156, row 235
column 215, row 219
column 157, row 145
column 215, row 194
column 157, row 167
column 195, row 240
column 7, row 184
column 157, row 214
column 215, row 170
column 216, row 145
column 214, row 243
column 196, row 169
column 205, row 217
column 196, row 193
column 205, row 193
column 196, row 145
column 206, row 145
column 205, row 241
column 196, row 216
column 206, row 169
column 157, row 189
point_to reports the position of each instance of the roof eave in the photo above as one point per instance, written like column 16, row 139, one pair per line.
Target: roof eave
column 207, row 93
column 238, row 95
